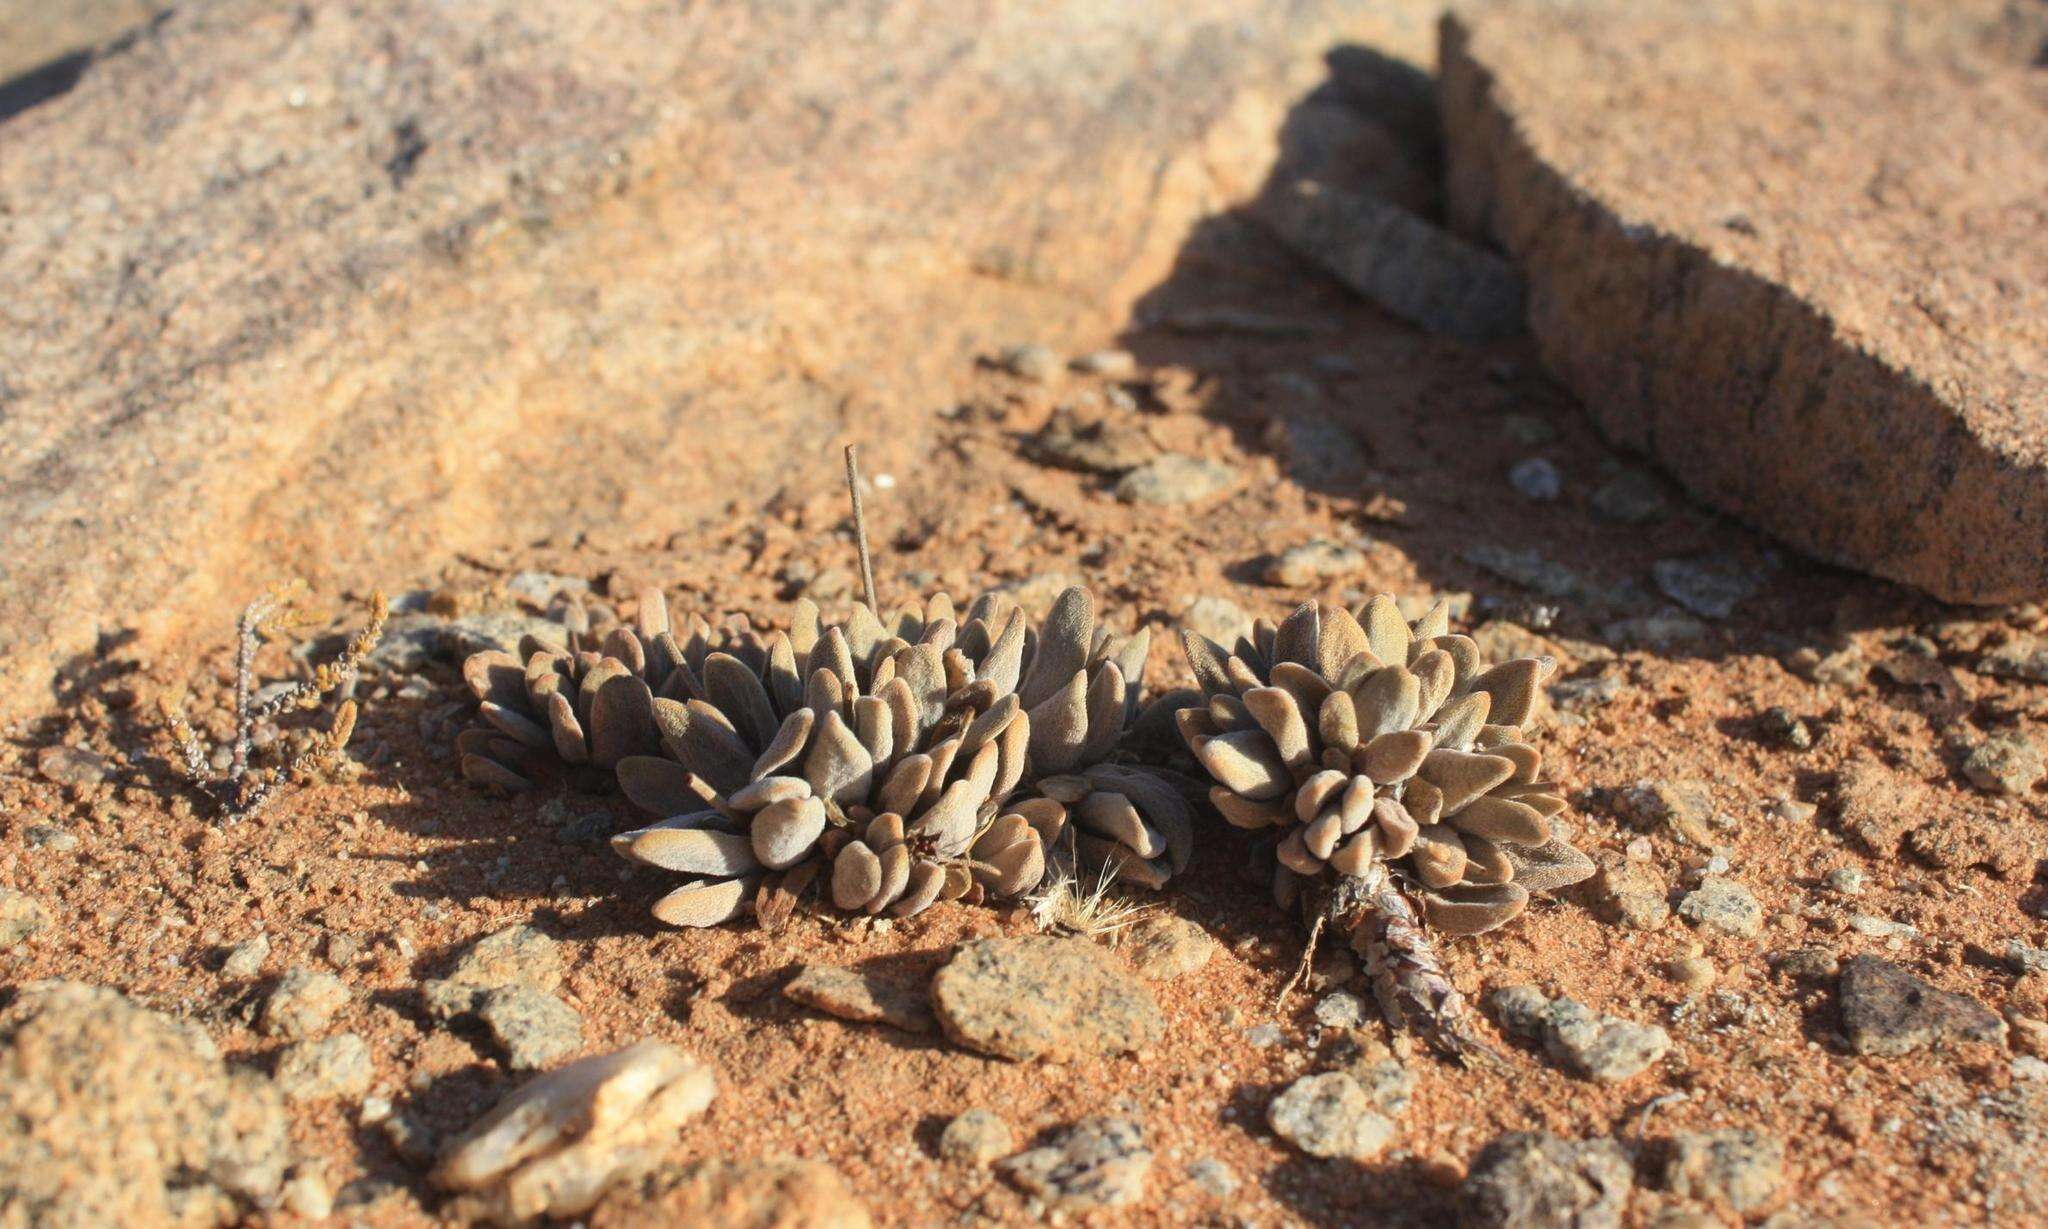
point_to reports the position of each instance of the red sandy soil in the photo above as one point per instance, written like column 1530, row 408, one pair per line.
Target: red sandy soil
column 406, row 863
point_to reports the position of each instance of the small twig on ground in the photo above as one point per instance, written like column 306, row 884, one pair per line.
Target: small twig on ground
column 860, row 527
column 241, row 791
column 1651, row 1106
column 1308, row 960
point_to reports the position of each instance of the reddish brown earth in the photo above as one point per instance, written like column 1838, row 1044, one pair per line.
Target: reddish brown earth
column 1819, row 307
column 383, row 874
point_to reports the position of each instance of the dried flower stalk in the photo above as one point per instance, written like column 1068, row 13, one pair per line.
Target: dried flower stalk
column 241, row 790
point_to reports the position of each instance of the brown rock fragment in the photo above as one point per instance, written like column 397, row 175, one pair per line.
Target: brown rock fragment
column 865, row 997
column 1888, row 1011
column 1833, row 342
column 1040, row 997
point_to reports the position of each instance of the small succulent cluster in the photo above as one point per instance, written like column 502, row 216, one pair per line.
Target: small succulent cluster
column 1370, row 745
column 884, row 757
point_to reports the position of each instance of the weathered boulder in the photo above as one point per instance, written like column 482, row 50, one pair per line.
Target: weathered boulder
column 111, row 1114
column 343, row 290
column 1791, row 250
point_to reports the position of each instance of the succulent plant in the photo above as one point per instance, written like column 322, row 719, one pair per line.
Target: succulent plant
column 1083, row 697
column 1385, row 757
column 887, row 754
column 584, row 696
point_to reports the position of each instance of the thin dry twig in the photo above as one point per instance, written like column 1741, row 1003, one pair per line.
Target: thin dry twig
column 860, row 526
column 241, row 791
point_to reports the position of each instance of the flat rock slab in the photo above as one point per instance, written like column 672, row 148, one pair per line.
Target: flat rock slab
column 1040, row 997
column 1790, row 249
column 269, row 313
column 1887, row 1011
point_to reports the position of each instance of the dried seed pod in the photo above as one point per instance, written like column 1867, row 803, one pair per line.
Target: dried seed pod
column 1370, row 745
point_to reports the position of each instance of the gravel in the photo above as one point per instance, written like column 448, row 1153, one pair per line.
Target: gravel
column 534, row 1028
column 1096, row 1163
column 1330, row 1115
column 1631, row 497
column 978, row 1137
column 1313, row 562
column 21, row 916
column 1723, row 905
column 1710, row 586
column 1174, row 479
column 247, row 958
column 1733, row 1168
column 337, row 1066
column 1536, row 479
column 1605, row 1049
column 1041, row 997
column 2004, row 764
column 864, row 997
column 1889, row 1011
column 1162, row 947
column 303, row 1003
column 1530, row 1180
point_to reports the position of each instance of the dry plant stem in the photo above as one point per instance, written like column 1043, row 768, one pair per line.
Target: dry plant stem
column 1409, row 982
column 860, row 527
column 239, row 792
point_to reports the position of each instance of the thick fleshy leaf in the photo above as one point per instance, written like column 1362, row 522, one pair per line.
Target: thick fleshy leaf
column 1549, row 866
column 1486, row 862
column 856, row 876
column 1059, row 726
column 1342, row 640
column 1111, row 815
column 1515, row 687
column 1386, row 631
column 516, row 725
column 701, row 739
column 622, row 721
column 1436, row 621
column 1501, row 819
column 895, row 877
column 1438, row 856
column 1396, row 827
column 495, row 676
column 788, row 743
column 1459, row 911
column 838, row 765
column 767, row 791
column 1280, row 716
column 1294, row 854
column 1106, row 712
column 482, row 771
column 1337, row 723
column 1356, row 854
column 1387, row 700
column 691, row 851
column 1464, row 775
column 1298, row 638
column 1063, row 644
column 1206, row 658
column 1319, row 793
column 740, row 694
column 567, row 731
column 926, row 879
column 1437, row 673
column 705, row 903
column 657, row 784
column 1247, row 764
column 1320, row 835
column 1394, row 756
column 1242, row 812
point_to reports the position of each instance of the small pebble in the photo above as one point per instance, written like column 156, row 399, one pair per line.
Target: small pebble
column 1536, row 479
column 1031, row 361
column 978, row 1137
